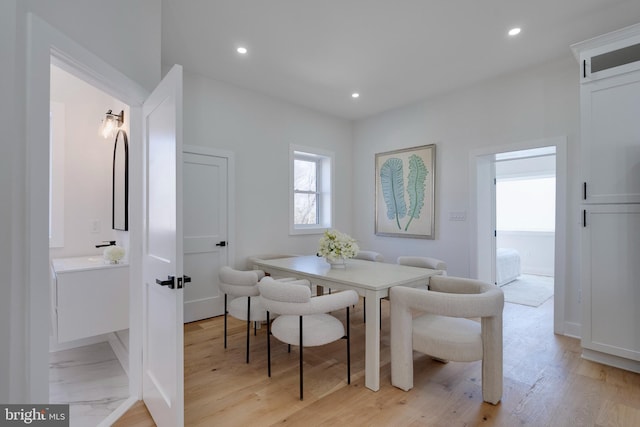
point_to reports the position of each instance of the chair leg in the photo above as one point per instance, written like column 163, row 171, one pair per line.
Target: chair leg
column 364, row 312
column 248, row 324
column 268, row 345
column 348, row 349
column 225, row 320
column 301, row 357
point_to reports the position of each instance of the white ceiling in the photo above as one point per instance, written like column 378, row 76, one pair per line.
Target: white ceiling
column 394, row 52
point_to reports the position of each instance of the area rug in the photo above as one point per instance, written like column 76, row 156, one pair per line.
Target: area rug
column 529, row 290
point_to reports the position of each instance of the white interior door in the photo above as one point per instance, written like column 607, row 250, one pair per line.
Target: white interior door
column 485, row 217
column 163, row 358
column 205, row 232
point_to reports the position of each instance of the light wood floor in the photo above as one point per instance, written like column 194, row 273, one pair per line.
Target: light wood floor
column 546, row 383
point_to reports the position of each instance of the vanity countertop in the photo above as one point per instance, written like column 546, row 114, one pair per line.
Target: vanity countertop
column 88, row 262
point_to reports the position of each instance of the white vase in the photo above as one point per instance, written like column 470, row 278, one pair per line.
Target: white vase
column 337, row 263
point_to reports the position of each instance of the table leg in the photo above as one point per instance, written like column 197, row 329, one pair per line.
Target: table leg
column 372, row 341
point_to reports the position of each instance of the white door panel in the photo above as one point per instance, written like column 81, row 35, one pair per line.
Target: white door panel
column 163, row 358
column 205, row 226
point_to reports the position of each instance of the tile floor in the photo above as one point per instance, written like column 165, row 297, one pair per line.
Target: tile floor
column 90, row 379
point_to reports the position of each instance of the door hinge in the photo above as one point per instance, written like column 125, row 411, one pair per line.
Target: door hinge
column 584, row 68
column 584, row 217
column 584, row 191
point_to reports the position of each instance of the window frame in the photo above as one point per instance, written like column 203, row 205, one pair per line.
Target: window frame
column 324, row 188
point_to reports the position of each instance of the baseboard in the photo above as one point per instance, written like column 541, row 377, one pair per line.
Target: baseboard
column 573, row 329
column 202, row 309
column 608, row 359
column 120, row 349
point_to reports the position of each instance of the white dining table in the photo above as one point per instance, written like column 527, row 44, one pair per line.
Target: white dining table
column 371, row 280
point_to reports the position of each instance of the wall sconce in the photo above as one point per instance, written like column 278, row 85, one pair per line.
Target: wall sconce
column 111, row 123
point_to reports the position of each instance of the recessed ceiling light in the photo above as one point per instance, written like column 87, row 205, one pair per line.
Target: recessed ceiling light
column 242, row 50
column 514, row 31
column 355, row 95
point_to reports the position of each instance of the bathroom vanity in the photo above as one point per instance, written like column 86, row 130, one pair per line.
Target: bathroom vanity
column 88, row 297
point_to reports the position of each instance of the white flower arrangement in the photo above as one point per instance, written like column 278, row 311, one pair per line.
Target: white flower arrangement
column 335, row 245
column 113, row 254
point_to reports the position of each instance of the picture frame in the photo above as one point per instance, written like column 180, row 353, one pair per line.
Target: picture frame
column 405, row 192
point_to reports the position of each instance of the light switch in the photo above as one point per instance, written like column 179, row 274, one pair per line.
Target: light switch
column 95, row 226
column 458, row 216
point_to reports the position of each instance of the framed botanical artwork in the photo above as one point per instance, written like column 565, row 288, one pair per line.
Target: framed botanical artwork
column 405, row 192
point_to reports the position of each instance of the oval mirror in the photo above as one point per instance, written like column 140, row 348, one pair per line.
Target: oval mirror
column 120, row 183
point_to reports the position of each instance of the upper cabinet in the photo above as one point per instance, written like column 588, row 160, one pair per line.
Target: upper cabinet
column 610, row 116
column 609, row 55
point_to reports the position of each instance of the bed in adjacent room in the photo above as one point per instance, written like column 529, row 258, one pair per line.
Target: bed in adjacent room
column 507, row 265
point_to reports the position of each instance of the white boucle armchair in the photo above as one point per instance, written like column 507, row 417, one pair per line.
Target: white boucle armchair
column 444, row 330
column 302, row 320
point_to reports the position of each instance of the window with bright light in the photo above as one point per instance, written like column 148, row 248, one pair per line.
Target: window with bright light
column 310, row 191
column 527, row 204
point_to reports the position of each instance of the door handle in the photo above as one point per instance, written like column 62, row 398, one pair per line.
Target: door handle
column 170, row 282
column 222, row 243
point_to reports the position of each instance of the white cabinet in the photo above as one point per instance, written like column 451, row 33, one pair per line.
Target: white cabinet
column 610, row 138
column 611, row 280
column 610, row 162
column 88, row 297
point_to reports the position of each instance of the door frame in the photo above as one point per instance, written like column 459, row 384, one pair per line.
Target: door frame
column 483, row 219
column 231, row 190
column 44, row 45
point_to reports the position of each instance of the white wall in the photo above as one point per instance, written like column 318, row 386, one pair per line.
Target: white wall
column 87, row 165
column 94, row 25
column 258, row 130
column 12, row 384
column 534, row 104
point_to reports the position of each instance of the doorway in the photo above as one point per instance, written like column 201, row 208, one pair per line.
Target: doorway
column 482, row 165
column 46, row 44
column 525, row 186
column 89, row 349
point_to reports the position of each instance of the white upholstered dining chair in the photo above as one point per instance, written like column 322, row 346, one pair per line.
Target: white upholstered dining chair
column 242, row 287
column 445, row 330
column 369, row 256
column 304, row 321
column 423, row 262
